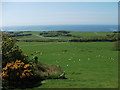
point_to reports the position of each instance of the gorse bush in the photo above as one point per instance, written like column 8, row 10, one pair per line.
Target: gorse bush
column 17, row 70
column 11, row 52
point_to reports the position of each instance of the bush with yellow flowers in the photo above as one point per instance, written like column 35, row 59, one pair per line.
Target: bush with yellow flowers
column 17, row 70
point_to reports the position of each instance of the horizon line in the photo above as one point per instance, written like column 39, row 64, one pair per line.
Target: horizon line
column 56, row 25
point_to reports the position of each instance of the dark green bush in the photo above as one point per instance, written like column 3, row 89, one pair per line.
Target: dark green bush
column 11, row 52
column 55, row 33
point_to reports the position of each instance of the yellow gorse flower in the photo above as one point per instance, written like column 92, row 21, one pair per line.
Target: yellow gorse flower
column 27, row 65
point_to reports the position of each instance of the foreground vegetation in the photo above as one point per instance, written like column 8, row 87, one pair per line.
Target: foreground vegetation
column 19, row 71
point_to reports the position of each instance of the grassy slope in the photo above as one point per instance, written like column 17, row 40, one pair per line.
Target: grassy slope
column 87, row 65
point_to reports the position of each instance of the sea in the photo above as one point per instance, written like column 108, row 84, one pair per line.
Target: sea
column 62, row 28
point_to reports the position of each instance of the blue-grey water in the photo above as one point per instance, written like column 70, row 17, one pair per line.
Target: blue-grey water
column 62, row 27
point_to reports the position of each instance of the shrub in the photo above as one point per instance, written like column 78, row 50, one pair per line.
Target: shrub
column 11, row 52
column 17, row 70
column 19, row 75
column 55, row 33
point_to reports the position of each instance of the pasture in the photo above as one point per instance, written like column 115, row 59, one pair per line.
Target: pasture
column 86, row 64
column 63, row 36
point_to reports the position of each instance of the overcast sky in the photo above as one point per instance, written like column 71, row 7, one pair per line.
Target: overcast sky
column 59, row 13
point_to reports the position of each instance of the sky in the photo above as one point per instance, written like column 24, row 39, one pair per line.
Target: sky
column 60, row 0
column 59, row 13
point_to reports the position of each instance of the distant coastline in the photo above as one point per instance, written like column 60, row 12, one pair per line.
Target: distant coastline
column 62, row 27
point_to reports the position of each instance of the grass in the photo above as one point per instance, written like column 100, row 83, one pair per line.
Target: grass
column 86, row 64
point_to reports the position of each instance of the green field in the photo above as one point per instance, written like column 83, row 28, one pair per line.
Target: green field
column 86, row 64
column 64, row 35
column 91, row 64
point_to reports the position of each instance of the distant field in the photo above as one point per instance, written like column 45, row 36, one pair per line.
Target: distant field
column 87, row 64
column 63, row 35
